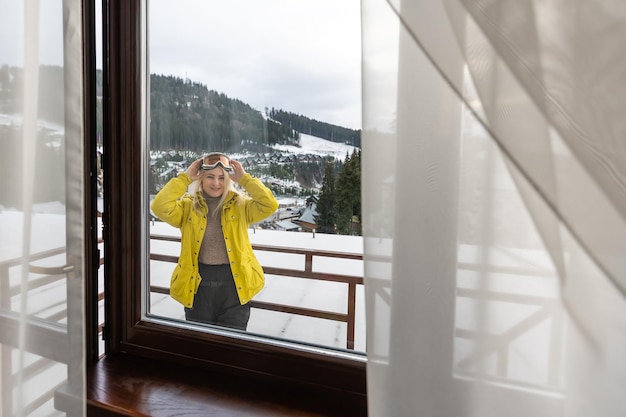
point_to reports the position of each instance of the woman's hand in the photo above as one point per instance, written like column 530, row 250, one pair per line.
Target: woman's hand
column 194, row 169
column 238, row 172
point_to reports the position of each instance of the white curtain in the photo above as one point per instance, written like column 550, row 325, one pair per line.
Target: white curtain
column 494, row 207
column 41, row 208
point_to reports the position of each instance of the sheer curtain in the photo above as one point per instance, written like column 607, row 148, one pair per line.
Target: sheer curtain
column 41, row 208
column 494, row 159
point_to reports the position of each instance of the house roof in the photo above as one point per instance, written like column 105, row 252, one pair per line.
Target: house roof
column 308, row 215
column 287, row 225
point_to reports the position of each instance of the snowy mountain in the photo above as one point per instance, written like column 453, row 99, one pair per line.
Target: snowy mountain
column 317, row 146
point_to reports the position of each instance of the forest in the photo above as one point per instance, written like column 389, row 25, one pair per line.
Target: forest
column 187, row 115
column 316, row 128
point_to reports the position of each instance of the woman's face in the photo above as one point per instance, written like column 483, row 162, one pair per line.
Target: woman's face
column 213, row 182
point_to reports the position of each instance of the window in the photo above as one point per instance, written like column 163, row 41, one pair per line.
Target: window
column 130, row 327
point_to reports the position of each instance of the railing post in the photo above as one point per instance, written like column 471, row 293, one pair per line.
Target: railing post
column 351, row 314
column 308, row 263
column 6, row 362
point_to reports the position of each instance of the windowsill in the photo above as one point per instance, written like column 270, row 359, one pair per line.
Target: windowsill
column 125, row 385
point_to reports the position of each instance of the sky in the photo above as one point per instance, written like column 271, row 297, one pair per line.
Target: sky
column 301, row 56
column 50, row 32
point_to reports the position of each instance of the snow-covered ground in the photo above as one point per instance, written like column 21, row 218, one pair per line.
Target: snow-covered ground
column 317, row 146
column 16, row 120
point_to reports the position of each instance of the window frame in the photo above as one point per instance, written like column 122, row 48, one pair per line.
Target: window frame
column 125, row 331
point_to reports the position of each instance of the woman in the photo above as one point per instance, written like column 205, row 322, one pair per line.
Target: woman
column 217, row 272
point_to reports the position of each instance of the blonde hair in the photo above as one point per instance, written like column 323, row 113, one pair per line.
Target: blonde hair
column 229, row 185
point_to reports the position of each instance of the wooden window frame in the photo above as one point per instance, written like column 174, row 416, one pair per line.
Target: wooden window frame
column 125, row 330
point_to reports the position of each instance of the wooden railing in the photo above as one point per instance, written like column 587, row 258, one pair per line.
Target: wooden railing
column 47, row 334
column 308, row 273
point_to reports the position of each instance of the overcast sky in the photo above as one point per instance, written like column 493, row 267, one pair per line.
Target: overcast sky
column 302, row 56
column 50, row 32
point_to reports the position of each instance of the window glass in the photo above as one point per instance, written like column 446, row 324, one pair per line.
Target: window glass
column 274, row 85
column 42, row 211
column 99, row 167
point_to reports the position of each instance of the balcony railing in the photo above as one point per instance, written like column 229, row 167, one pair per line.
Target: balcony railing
column 308, row 273
column 45, row 324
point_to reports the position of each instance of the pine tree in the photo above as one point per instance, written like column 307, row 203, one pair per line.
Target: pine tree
column 356, row 200
column 343, row 203
column 325, row 219
column 348, row 192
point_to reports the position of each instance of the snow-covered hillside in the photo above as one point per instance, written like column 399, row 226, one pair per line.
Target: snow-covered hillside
column 318, row 146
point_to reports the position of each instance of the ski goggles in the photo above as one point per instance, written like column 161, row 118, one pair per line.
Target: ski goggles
column 215, row 159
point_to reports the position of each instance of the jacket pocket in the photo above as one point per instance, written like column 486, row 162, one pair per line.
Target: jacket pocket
column 254, row 276
column 182, row 286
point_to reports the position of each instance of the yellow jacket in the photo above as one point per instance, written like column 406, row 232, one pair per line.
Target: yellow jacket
column 235, row 219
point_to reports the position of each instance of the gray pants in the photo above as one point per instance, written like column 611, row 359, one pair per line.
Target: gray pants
column 216, row 301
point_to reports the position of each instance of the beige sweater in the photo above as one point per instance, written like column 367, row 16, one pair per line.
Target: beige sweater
column 213, row 248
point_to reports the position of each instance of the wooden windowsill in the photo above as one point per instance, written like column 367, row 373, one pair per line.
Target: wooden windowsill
column 125, row 385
